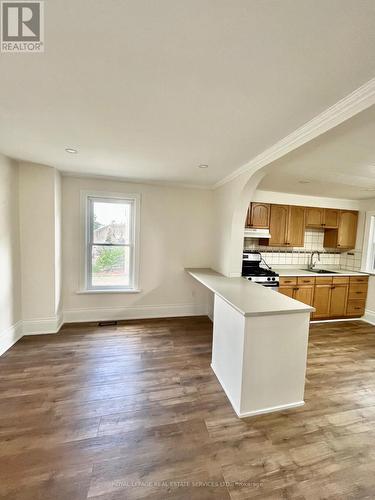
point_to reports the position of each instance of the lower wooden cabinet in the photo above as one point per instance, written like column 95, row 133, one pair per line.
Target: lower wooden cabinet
column 322, row 299
column 332, row 297
column 339, row 298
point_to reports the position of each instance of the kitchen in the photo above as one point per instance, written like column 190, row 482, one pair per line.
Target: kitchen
column 304, row 246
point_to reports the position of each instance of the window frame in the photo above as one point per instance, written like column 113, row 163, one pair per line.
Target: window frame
column 368, row 256
column 87, row 202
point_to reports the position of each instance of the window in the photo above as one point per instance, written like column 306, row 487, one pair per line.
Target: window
column 368, row 262
column 111, row 250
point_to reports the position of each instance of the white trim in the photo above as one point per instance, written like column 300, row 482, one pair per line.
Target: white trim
column 359, row 100
column 359, row 318
column 367, row 253
column 84, row 227
column 140, row 312
column 10, row 336
column 369, row 317
column 262, row 411
column 272, row 409
column 42, row 326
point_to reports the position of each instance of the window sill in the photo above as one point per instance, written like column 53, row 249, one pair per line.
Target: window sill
column 125, row 290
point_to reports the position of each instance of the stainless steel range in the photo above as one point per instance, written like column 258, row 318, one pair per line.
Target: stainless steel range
column 252, row 270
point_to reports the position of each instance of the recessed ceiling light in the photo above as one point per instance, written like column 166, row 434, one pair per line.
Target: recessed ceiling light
column 202, row 166
column 304, row 182
column 71, row 151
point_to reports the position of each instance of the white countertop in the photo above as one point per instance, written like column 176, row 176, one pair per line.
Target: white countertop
column 248, row 298
column 303, row 272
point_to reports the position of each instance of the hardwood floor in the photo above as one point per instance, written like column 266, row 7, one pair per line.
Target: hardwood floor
column 134, row 411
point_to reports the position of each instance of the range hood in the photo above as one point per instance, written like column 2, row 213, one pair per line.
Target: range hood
column 256, row 233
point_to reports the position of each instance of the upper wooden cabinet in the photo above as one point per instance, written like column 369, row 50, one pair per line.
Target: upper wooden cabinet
column 344, row 237
column 296, row 226
column 314, row 217
column 258, row 215
column 287, row 226
column 322, row 217
column 331, row 218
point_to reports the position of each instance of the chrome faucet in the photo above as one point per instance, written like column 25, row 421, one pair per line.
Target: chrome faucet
column 312, row 263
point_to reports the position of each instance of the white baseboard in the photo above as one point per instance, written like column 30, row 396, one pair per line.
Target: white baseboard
column 42, row 326
column 10, row 336
column 272, row 409
column 261, row 411
column 369, row 317
column 140, row 312
column 337, row 320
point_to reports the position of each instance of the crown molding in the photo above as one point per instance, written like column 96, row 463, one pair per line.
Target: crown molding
column 359, row 100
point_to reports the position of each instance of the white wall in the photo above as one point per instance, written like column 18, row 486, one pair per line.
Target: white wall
column 39, row 201
column 176, row 232
column 10, row 276
column 369, row 206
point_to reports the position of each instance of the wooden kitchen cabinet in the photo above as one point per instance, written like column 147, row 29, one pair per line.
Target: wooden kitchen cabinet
column 339, row 299
column 331, row 218
column 296, row 226
column 314, row 217
column 344, row 237
column 322, row 300
column 303, row 293
column 331, row 296
column 278, row 226
column 287, row 290
column 258, row 215
column 287, row 226
column 322, row 218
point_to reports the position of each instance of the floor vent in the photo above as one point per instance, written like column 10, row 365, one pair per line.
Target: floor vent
column 107, row 323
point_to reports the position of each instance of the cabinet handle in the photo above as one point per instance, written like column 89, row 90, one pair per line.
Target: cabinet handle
column 333, row 287
column 295, row 289
column 359, row 293
column 358, row 308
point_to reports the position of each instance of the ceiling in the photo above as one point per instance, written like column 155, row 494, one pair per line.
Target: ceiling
column 150, row 90
column 338, row 164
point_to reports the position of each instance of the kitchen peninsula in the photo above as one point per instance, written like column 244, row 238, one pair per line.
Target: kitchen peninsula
column 259, row 344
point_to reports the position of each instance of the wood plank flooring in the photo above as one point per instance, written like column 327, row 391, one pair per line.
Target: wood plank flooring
column 134, row 411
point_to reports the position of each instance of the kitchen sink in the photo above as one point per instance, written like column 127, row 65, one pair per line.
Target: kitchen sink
column 320, row 271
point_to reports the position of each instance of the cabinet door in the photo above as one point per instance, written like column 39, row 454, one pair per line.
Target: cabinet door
column 314, row 217
column 296, row 226
column 331, row 218
column 287, row 290
column 260, row 215
column 305, row 294
column 322, row 301
column 339, row 298
column 279, row 225
column 347, row 231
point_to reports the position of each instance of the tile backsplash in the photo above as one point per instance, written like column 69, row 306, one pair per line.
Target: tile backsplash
column 314, row 238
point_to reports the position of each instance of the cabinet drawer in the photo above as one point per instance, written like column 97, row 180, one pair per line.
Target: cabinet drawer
column 340, row 280
column 359, row 279
column 288, row 280
column 323, row 280
column 306, row 280
column 356, row 308
column 357, row 291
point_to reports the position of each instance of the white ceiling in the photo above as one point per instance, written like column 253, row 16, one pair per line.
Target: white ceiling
column 149, row 90
column 339, row 163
